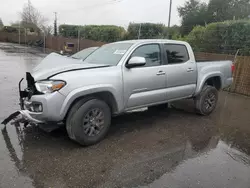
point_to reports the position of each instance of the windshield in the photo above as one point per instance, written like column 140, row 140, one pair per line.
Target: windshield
column 109, row 54
column 83, row 54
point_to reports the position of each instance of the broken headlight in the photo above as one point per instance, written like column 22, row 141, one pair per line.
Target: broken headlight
column 49, row 86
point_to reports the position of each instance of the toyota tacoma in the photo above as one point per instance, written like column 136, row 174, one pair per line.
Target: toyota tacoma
column 84, row 94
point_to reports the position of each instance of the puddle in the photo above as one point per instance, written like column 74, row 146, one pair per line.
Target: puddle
column 221, row 167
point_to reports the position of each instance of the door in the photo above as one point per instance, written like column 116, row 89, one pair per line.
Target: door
column 181, row 72
column 145, row 85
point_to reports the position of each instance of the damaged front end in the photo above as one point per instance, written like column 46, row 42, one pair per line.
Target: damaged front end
column 28, row 109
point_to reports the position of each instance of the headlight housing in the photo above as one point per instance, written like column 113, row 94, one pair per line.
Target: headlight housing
column 49, row 86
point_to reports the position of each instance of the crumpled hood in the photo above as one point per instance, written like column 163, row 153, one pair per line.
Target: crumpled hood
column 54, row 64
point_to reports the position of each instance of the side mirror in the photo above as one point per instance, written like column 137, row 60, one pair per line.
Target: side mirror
column 136, row 62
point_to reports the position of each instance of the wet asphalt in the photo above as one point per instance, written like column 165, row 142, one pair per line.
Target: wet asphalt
column 174, row 148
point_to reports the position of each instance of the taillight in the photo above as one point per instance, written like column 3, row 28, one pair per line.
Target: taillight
column 232, row 68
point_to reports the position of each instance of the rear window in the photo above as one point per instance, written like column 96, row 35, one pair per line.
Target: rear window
column 176, row 53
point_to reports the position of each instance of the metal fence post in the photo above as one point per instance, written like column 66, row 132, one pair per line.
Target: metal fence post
column 139, row 32
column 78, row 42
column 19, row 35
column 44, row 42
column 25, row 36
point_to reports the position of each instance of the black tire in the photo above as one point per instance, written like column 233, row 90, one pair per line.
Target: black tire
column 206, row 101
column 160, row 107
column 75, row 121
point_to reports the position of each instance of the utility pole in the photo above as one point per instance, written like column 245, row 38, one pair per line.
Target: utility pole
column 55, row 24
column 139, row 32
column 169, row 17
column 170, row 12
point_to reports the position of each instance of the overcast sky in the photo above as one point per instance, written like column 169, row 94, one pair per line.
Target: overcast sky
column 117, row 12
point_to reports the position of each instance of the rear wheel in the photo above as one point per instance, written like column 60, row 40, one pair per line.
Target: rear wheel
column 206, row 102
column 88, row 121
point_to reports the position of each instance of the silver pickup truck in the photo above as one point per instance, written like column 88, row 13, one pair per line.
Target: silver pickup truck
column 115, row 78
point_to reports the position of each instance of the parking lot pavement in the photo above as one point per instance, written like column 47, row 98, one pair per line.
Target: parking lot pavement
column 172, row 148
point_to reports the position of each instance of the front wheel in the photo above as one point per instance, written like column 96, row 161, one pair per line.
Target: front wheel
column 88, row 121
column 206, row 101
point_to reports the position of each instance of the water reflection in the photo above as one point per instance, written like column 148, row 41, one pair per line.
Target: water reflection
column 218, row 168
column 152, row 161
column 127, row 160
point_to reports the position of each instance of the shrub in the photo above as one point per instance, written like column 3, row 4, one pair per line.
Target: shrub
column 222, row 37
column 104, row 33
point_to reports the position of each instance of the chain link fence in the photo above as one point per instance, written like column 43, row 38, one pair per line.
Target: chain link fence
column 48, row 43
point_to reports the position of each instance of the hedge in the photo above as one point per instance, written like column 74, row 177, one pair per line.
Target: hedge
column 147, row 31
column 104, row 33
column 222, row 37
column 111, row 33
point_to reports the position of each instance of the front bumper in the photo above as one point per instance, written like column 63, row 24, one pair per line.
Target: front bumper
column 29, row 117
column 22, row 116
column 51, row 107
column 50, row 103
column 47, row 117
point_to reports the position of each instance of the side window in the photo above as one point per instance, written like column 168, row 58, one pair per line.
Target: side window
column 151, row 52
column 176, row 53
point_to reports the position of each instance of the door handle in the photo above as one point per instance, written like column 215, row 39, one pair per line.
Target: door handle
column 160, row 73
column 190, row 70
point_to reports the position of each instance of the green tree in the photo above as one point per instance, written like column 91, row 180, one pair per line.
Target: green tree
column 222, row 37
column 104, row 33
column 193, row 13
column 222, row 10
column 1, row 23
column 173, row 32
column 145, row 31
column 196, row 38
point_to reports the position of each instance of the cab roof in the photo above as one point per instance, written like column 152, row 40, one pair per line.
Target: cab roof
column 140, row 41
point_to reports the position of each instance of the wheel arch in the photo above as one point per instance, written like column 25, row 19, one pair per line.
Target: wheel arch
column 214, row 80
column 105, row 94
